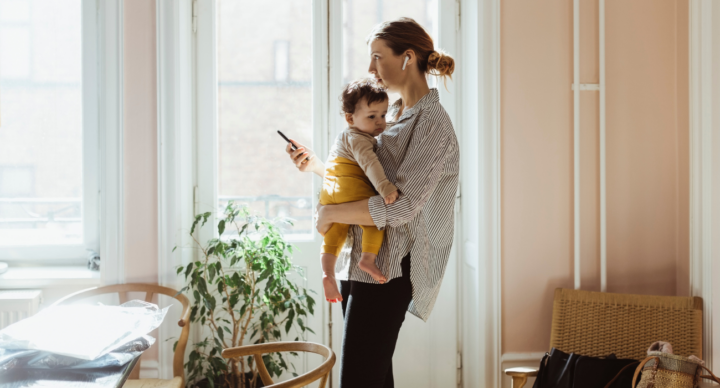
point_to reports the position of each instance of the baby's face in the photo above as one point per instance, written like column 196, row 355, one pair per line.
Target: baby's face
column 370, row 119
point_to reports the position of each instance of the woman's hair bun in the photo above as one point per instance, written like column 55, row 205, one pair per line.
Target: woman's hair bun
column 441, row 64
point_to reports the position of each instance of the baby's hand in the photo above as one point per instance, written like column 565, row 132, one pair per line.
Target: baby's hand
column 392, row 197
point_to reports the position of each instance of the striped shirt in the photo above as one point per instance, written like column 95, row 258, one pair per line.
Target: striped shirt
column 420, row 155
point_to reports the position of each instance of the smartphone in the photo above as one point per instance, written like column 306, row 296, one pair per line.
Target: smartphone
column 287, row 140
column 292, row 145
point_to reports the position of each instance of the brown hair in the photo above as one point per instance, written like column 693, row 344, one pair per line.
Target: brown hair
column 406, row 34
column 355, row 91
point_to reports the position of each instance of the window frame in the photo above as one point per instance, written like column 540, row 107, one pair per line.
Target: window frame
column 101, row 40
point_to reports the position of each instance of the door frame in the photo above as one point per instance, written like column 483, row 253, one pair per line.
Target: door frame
column 480, row 192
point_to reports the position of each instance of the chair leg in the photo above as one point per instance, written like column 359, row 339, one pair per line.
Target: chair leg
column 519, row 381
column 323, row 381
column 135, row 373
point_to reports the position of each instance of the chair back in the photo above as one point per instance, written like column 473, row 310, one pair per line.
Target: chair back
column 320, row 373
column 150, row 291
column 599, row 323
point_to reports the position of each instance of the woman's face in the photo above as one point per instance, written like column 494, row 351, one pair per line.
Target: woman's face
column 386, row 66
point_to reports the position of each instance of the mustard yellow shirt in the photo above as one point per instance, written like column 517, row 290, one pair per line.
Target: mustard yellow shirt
column 359, row 147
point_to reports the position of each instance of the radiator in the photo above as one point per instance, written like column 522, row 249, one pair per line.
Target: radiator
column 18, row 304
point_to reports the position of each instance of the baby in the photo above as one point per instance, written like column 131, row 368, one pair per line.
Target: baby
column 353, row 172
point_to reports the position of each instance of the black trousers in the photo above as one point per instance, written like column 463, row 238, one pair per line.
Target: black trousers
column 373, row 315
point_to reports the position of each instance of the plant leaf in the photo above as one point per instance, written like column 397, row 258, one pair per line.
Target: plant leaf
column 234, row 300
column 188, row 270
column 211, row 272
column 288, row 324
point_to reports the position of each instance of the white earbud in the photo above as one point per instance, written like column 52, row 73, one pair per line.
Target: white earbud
column 405, row 63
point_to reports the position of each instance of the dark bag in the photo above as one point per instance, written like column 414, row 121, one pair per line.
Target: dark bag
column 556, row 370
column 593, row 372
column 562, row 370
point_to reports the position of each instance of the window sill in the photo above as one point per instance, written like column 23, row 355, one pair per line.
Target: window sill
column 48, row 276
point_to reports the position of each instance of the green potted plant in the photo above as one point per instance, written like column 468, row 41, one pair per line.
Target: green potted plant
column 242, row 294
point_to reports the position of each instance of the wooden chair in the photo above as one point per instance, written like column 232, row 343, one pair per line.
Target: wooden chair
column 321, row 372
column 150, row 290
column 598, row 323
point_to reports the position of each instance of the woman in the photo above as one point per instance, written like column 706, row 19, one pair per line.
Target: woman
column 419, row 153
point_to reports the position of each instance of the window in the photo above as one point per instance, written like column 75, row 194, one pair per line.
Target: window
column 44, row 210
column 264, row 69
column 282, row 60
column 17, row 181
column 264, row 84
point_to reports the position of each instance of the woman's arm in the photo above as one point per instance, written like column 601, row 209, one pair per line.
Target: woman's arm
column 418, row 174
column 353, row 213
column 305, row 159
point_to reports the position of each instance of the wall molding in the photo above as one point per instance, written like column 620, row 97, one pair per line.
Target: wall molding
column 480, row 244
column 701, row 160
column 522, row 357
column 149, row 369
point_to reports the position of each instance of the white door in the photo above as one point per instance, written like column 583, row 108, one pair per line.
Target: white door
column 262, row 66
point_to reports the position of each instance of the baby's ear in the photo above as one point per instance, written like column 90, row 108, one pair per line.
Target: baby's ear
column 348, row 118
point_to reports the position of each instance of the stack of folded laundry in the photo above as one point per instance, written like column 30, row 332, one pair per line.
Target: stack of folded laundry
column 62, row 342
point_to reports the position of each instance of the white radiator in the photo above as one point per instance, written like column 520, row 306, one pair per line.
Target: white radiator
column 18, row 304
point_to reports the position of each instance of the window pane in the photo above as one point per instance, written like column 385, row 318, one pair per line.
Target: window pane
column 361, row 16
column 40, row 122
column 265, row 85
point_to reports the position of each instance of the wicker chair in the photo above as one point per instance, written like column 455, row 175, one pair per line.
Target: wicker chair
column 598, row 324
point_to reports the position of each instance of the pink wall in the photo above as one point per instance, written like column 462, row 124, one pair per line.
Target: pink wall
column 140, row 146
column 536, row 117
column 647, row 156
column 644, row 180
column 140, row 142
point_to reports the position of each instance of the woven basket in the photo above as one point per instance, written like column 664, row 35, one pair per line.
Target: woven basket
column 664, row 370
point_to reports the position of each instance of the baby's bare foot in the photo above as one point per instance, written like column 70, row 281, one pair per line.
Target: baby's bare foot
column 367, row 264
column 332, row 294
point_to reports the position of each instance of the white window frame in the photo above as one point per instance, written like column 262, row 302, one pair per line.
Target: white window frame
column 100, row 20
column 176, row 158
column 480, row 190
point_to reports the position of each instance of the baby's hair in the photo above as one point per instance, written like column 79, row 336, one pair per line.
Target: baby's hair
column 355, row 91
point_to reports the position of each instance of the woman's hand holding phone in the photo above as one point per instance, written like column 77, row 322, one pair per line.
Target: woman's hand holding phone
column 304, row 158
